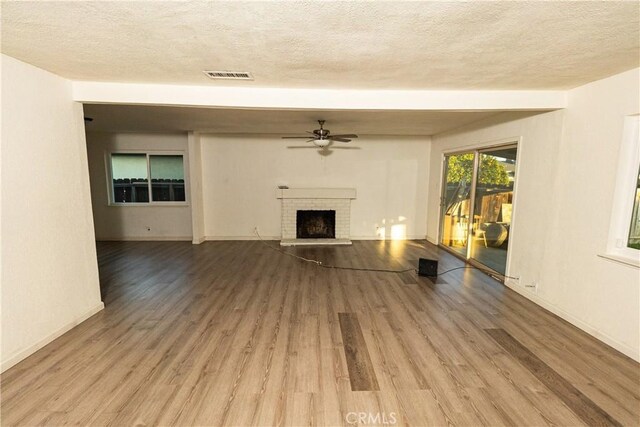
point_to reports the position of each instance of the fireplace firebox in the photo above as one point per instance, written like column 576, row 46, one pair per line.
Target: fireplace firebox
column 316, row 224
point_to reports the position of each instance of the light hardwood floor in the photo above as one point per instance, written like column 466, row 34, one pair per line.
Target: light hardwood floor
column 235, row 333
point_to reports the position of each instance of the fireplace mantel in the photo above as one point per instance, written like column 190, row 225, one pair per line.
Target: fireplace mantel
column 316, row 193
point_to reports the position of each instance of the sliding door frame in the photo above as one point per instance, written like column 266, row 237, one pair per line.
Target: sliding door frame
column 477, row 150
column 472, row 196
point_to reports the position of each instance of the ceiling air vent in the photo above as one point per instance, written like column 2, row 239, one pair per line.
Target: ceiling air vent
column 228, row 75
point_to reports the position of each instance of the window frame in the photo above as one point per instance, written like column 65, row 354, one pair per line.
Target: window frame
column 148, row 154
column 624, row 195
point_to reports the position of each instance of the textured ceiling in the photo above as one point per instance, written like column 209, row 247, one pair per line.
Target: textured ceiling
column 136, row 118
column 322, row 44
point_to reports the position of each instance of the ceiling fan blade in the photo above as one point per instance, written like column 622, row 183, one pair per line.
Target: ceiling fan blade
column 295, row 137
column 333, row 138
column 344, row 135
column 302, row 146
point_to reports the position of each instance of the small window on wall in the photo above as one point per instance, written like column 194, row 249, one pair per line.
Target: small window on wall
column 167, row 178
column 624, row 234
column 147, row 178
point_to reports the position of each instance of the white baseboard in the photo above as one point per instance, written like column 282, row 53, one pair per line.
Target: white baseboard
column 386, row 238
column 315, row 242
column 145, row 239
column 221, row 238
column 432, row 240
column 633, row 353
column 214, row 238
column 24, row 353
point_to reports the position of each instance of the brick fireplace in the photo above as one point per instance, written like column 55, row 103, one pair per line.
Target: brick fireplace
column 316, row 199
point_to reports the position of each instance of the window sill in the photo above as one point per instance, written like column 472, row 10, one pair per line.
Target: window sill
column 631, row 262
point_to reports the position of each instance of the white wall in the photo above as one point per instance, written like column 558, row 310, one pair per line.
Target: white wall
column 118, row 222
column 195, row 188
column 241, row 172
column 565, row 185
column 49, row 264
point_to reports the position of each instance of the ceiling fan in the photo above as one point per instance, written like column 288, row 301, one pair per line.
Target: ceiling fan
column 322, row 138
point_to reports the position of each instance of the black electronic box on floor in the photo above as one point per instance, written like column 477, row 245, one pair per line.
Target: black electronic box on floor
column 427, row 267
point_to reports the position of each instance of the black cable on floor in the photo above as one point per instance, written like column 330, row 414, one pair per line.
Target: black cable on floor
column 376, row 270
column 320, row 264
column 498, row 275
column 453, row 269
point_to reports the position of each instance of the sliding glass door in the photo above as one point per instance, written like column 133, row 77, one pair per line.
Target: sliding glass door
column 456, row 201
column 493, row 204
column 477, row 201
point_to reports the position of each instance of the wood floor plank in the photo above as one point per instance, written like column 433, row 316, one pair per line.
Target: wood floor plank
column 588, row 411
column 361, row 373
column 235, row 333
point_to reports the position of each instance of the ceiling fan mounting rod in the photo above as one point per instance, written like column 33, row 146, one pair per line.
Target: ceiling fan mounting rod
column 321, row 133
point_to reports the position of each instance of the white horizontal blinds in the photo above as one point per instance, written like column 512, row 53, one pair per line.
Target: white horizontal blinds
column 167, row 178
column 129, row 178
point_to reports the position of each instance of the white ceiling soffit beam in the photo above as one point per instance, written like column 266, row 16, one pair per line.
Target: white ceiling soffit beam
column 330, row 99
column 154, row 118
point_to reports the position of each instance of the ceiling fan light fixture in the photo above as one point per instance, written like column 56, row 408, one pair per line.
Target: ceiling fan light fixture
column 321, row 142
